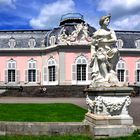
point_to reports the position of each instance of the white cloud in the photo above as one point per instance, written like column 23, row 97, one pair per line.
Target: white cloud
column 130, row 23
column 50, row 14
column 112, row 5
column 10, row 3
column 125, row 13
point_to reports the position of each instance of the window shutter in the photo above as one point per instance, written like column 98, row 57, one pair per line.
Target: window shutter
column 127, row 78
column 6, row 76
column 38, row 76
column 74, row 75
column 89, row 72
column 26, row 76
column 45, row 73
column 136, row 76
column 56, row 73
column 17, row 76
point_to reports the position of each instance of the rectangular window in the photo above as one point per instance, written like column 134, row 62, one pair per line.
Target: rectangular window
column 51, row 73
column 120, row 74
column 11, row 75
column 32, row 75
column 138, row 75
column 81, row 72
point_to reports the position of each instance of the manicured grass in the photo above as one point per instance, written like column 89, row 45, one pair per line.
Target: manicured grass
column 58, row 112
column 45, row 138
column 124, row 138
column 65, row 137
column 134, row 136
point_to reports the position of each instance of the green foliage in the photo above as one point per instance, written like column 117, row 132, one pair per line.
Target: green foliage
column 136, row 132
column 58, row 112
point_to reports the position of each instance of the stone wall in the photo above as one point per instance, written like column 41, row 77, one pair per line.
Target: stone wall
column 43, row 128
column 46, row 91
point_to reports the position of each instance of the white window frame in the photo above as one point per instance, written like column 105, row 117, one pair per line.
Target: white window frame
column 11, row 65
column 52, row 62
column 32, row 42
column 81, row 60
column 121, row 65
column 137, row 68
column 52, row 40
column 137, row 43
column 119, row 43
column 12, row 42
column 32, row 65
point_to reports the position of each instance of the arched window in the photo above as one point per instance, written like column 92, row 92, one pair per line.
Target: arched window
column 137, row 43
column 52, row 70
column 119, row 43
column 11, row 71
column 12, row 42
column 32, row 71
column 121, row 71
column 32, row 42
column 52, row 40
column 138, row 71
column 81, row 68
column 80, row 71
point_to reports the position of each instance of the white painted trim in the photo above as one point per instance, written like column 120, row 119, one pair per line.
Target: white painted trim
column 83, row 82
column 129, row 49
column 53, row 83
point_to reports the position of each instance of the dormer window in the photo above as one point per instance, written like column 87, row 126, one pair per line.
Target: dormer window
column 32, row 42
column 12, row 42
column 52, row 40
column 137, row 43
column 119, row 43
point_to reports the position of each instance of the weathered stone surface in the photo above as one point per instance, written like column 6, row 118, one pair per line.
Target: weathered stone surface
column 103, row 121
column 43, row 128
column 109, row 126
column 95, row 119
column 108, row 91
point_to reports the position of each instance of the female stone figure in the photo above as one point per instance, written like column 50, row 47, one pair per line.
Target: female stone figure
column 103, row 57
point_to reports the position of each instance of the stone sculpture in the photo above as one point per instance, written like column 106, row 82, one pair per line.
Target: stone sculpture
column 103, row 57
column 79, row 36
column 107, row 98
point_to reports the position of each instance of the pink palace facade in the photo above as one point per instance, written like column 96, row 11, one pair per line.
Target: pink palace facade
column 61, row 56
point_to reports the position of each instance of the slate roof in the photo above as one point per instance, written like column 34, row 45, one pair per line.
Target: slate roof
column 128, row 38
column 22, row 37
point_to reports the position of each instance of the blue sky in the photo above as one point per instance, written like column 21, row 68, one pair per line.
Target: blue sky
column 46, row 14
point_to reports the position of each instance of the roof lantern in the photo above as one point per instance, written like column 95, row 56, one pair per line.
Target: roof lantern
column 71, row 18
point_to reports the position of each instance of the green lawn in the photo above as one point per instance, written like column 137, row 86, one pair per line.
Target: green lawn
column 133, row 137
column 45, row 138
column 80, row 137
column 58, row 112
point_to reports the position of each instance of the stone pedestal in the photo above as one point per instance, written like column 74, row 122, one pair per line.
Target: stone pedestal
column 108, row 111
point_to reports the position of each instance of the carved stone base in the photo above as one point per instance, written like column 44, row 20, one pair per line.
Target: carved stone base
column 108, row 114
column 108, row 120
column 108, row 91
column 109, row 126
